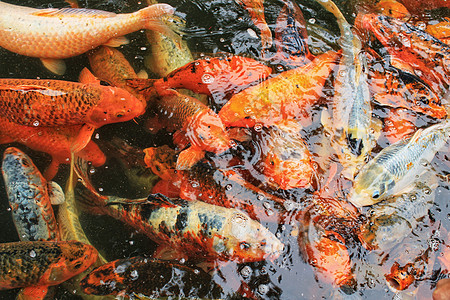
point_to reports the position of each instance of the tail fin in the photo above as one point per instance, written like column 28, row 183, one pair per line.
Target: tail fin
column 144, row 87
column 160, row 17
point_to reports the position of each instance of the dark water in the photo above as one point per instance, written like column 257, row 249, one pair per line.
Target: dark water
column 213, row 27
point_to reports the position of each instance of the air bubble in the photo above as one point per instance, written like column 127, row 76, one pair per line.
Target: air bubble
column 32, row 253
column 258, row 127
column 228, row 187
column 134, row 275
column 246, row 271
column 263, row 289
column 36, row 123
column 312, row 21
column 207, row 78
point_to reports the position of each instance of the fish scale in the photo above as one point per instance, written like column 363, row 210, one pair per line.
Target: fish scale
column 28, row 197
column 35, row 102
column 24, row 264
column 63, row 33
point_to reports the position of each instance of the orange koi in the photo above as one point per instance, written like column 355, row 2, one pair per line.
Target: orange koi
column 58, row 142
column 53, row 34
column 216, row 76
column 219, row 187
column 421, row 54
column 327, row 253
column 394, row 9
column 256, row 10
column 440, row 30
column 196, row 123
column 290, row 95
column 110, row 65
column 42, row 263
column 291, row 38
column 399, row 124
column 137, row 277
column 35, row 102
column 286, row 160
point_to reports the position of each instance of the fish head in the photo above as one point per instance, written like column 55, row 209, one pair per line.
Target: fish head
column 237, row 112
column 76, row 258
column 207, row 132
column 394, row 9
column 371, row 185
column 400, row 278
column 162, row 161
column 16, row 164
column 116, row 105
column 247, row 240
column 288, row 169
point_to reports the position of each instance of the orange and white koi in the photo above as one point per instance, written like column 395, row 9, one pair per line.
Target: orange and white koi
column 54, row 34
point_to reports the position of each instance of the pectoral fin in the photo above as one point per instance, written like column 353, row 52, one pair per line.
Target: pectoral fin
column 117, row 42
column 189, row 157
column 55, row 193
column 56, row 66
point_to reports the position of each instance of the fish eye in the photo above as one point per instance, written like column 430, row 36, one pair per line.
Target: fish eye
column 78, row 265
column 376, row 195
column 244, row 245
column 119, row 115
column 158, row 168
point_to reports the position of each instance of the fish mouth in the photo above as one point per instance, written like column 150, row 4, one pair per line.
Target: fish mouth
column 360, row 199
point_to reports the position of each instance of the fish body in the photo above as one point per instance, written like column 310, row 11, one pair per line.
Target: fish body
column 286, row 161
column 392, row 220
column 150, row 277
column 35, row 102
column 67, row 32
column 290, row 94
column 110, row 65
column 390, row 88
column 256, row 10
column 327, row 253
column 421, row 53
column 440, row 30
column 58, row 142
column 42, row 263
column 291, row 38
column 193, row 227
column 218, row 187
column 197, row 124
column 29, row 198
column 215, row 76
column 395, row 167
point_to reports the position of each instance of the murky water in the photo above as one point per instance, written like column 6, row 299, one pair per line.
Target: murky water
column 214, row 27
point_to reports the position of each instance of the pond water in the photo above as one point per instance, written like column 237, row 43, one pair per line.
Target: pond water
column 215, row 27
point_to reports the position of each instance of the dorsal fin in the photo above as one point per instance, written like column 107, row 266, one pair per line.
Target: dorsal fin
column 74, row 12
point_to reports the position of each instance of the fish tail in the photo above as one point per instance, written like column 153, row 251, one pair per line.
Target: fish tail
column 144, row 87
column 160, row 17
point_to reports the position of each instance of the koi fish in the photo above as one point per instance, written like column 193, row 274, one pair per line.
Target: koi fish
column 58, row 142
column 42, row 263
column 218, row 187
column 29, row 197
column 327, row 253
column 150, row 277
column 286, row 160
column 54, row 34
column 352, row 112
column 35, row 102
column 392, row 88
column 290, row 94
column 197, row 125
column 419, row 6
column 192, row 227
column 393, row 9
column 110, row 65
column 440, row 30
column 412, row 261
column 167, row 53
column 395, row 167
column 256, row 10
column 291, row 38
column 422, row 54
column 70, row 228
column 390, row 221
column 216, row 76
